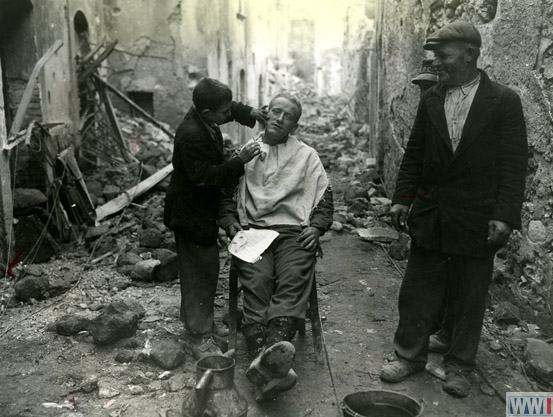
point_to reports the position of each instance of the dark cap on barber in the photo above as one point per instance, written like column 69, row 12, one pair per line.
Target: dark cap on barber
column 456, row 31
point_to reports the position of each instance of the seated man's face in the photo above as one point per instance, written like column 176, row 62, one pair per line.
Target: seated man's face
column 282, row 119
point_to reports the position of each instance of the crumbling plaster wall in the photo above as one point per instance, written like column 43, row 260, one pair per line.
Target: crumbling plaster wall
column 517, row 51
column 159, row 51
column 357, row 48
column 58, row 84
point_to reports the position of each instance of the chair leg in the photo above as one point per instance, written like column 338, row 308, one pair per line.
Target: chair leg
column 316, row 325
column 233, row 305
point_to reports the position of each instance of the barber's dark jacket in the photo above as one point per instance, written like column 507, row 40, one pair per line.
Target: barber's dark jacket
column 192, row 200
column 453, row 195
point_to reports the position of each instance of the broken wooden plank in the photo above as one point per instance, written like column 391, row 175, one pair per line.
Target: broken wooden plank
column 6, row 198
column 90, row 69
column 80, row 203
column 119, row 203
column 119, row 138
column 84, row 60
column 28, row 93
column 135, row 106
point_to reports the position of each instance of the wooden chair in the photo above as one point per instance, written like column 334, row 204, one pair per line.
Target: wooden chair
column 312, row 313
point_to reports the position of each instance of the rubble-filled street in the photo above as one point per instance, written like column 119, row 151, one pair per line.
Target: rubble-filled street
column 96, row 332
column 181, row 180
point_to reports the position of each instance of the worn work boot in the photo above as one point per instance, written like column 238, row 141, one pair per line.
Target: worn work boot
column 200, row 347
column 457, row 383
column 274, row 362
column 281, row 328
column 255, row 338
column 398, row 370
column 439, row 342
column 277, row 385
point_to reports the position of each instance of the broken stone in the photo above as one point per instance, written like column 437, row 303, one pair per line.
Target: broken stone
column 90, row 383
column 111, row 191
column 124, row 356
column 175, row 383
column 358, row 206
column 94, row 233
column 399, row 249
column 143, row 270
column 163, row 254
column 106, row 393
column 168, row 354
column 378, row 234
column 128, row 258
column 506, row 313
column 167, row 270
column 136, row 389
column 70, row 325
column 25, row 199
column 94, row 187
column 537, row 233
column 336, row 226
column 131, row 343
column 539, row 360
column 119, row 320
column 150, row 238
column 32, row 287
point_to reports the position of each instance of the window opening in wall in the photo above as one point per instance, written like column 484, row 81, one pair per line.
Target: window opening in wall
column 144, row 99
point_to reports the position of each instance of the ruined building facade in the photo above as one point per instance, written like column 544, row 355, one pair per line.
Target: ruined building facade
column 517, row 51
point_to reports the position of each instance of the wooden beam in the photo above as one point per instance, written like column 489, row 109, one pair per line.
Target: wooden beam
column 135, row 106
column 28, row 93
column 119, row 138
column 122, row 201
column 91, row 68
column 7, row 242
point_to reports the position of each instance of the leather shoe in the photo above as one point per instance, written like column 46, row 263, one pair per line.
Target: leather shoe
column 273, row 362
column 275, row 386
column 438, row 343
column 457, row 383
column 399, row 370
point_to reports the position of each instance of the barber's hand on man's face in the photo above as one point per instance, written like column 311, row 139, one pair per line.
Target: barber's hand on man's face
column 309, row 238
column 249, row 151
column 260, row 114
column 498, row 233
column 233, row 229
column 399, row 212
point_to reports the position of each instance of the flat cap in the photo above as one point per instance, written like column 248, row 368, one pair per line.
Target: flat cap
column 427, row 73
column 456, row 31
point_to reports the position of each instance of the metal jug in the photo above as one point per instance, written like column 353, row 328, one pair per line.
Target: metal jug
column 215, row 394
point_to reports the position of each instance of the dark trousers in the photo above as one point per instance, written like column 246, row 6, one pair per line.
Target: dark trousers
column 428, row 274
column 198, row 273
column 278, row 285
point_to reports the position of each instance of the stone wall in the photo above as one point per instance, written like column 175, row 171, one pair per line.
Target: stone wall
column 517, row 51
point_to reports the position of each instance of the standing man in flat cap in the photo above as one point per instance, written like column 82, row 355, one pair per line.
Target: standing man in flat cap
column 460, row 188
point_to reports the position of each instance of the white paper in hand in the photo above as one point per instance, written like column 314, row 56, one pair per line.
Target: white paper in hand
column 248, row 245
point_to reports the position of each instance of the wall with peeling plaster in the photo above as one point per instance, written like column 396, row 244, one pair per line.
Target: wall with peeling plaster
column 172, row 44
column 159, row 51
column 517, row 51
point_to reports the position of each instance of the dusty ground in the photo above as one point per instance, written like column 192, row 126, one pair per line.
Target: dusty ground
column 358, row 288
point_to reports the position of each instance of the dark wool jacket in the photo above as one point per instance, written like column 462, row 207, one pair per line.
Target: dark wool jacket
column 453, row 195
column 192, row 200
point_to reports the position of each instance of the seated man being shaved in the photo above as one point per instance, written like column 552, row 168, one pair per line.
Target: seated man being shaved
column 285, row 190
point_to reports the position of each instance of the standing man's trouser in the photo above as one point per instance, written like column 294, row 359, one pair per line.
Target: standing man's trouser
column 428, row 275
column 198, row 272
column 278, row 285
